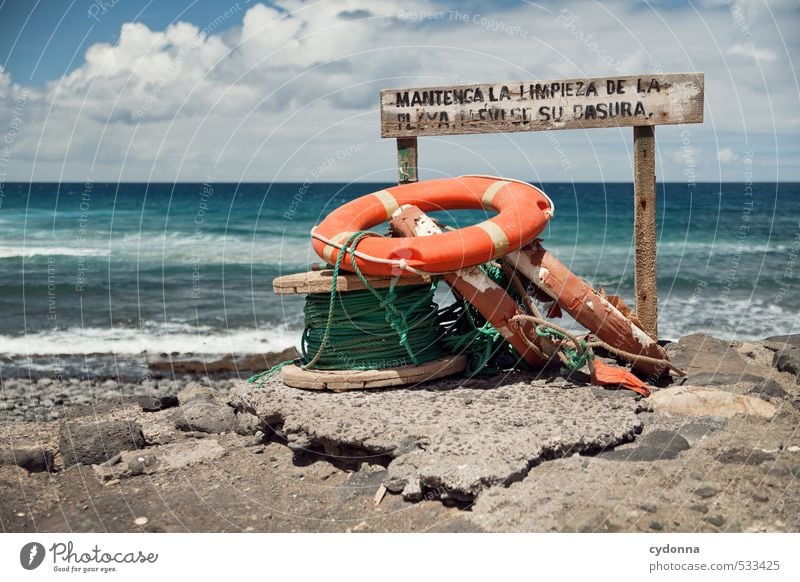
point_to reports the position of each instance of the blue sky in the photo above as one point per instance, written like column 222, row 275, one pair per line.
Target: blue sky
column 167, row 90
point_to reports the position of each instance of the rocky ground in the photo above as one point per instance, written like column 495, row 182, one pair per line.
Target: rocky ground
column 718, row 450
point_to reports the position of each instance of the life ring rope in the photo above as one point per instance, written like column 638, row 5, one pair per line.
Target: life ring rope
column 399, row 263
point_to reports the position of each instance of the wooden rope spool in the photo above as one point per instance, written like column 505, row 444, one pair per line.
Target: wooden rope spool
column 341, row 380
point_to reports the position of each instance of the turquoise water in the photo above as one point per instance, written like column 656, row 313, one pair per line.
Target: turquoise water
column 188, row 267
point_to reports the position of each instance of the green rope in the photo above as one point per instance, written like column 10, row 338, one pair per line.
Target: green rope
column 266, row 375
column 371, row 329
column 461, row 334
column 576, row 359
column 353, row 334
column 383, row 328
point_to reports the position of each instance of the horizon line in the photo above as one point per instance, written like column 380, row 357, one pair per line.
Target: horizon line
column 9, row 182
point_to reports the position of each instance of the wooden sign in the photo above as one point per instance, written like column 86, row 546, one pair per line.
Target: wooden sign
column 543, row 105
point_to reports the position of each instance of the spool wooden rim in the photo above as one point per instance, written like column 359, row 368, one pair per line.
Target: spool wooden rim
column 321, row 281
column 343, row 380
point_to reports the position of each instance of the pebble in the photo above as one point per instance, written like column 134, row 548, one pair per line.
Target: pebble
column 156, row 403
column 258, row 450
column 705, row 492
column 649, row 507
column 656, row 525
column 759, row 497
column 776, row 472
column 699, row 508
column 715, row 520
column 141, row 521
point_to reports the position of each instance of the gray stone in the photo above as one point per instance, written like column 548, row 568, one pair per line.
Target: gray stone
column 248, row 424
column 34, row 460
column 204, row 416
column 592, row 521
column 715, row 520
column 701, row 427
column 721, row 379
column 193, row 393
column 433, row 442
column 44, row 382
column 156, row 403
column 743, row 456
column 93, row 443
column 654, row 446
column 656, row 525
column 109, row 385
column 781, row 342
column 699, row 352
column 760, row 497
column 113, row 460
column 699, row 508
column 158, row 460
column 649, row 507
column 705, row 492
column 769, row 389
column 788, row 360
column 142, row 463
column 776, row 471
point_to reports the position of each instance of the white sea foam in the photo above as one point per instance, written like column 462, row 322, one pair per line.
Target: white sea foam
column 173, row 337
column 177, row 248
column 9, row 252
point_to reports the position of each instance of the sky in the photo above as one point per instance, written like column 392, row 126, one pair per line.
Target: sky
column 126, row 90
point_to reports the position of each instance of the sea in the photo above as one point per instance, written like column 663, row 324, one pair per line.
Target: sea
column 122, row 270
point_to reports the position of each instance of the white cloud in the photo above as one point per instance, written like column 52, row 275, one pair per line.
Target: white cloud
column 726, row 156
column 748, row 50
column 274, row 97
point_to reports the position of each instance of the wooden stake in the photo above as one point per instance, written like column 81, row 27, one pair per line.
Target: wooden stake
column 644, row 227
column 407, row 159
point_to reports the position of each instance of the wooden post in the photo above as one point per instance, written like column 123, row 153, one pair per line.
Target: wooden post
column 644, row 227
column 407, row 159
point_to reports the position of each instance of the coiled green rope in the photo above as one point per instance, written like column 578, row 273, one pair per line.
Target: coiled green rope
column 382, row 328
column 372, row 329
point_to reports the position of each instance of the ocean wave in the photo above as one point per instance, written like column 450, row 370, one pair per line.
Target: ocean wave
column 30, row 251
column 171, row 337
column 180, row 248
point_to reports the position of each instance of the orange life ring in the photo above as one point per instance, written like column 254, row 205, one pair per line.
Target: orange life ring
column 523, row 212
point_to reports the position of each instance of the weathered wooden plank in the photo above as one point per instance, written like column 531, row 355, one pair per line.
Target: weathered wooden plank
column 341, row 380
column 644, row 227
column 321, row 281
column 406, row 160
column 639, row 100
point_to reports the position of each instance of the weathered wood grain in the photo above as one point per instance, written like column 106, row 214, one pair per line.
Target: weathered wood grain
column 543, row 105
column 406, row 160
column 320, row 282
column 341, row 380
column 644, row 227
